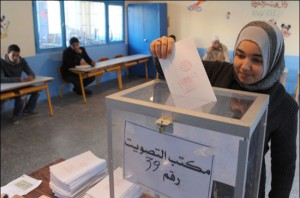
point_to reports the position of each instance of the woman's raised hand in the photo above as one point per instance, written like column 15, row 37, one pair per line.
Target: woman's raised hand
column 162, row 47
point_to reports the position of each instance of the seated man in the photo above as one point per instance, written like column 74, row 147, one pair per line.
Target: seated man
column 217, row 51
column 71, row 58
column 12, row 66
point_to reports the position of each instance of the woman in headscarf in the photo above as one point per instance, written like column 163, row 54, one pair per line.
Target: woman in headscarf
column 258, row 66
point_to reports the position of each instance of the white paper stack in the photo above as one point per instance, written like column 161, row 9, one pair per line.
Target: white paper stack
column 122, row 188
column 73, row 177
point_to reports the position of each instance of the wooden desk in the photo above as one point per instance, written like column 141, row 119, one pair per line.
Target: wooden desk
column 44, row 175
column 11, row 90
column 115, row 64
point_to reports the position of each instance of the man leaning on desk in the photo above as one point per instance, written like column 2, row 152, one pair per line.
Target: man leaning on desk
column 71, row 58
column 12, row 66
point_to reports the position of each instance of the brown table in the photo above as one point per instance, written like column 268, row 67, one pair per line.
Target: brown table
column 11, row 90
column 44, row 175
column 115, row 64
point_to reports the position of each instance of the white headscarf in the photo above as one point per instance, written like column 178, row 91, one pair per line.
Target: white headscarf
column 270, row 41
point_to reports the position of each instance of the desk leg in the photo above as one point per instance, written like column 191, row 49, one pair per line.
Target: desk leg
column 119, row 78
column 146, row 70
column 82, row 88
column 49, row 100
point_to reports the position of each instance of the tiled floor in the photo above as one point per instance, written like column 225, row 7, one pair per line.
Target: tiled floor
column 74, row 129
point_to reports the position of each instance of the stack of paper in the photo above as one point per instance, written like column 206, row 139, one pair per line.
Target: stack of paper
column 122, row 188
column 73, row 177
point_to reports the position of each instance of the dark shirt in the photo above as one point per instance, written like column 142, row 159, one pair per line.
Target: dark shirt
column 72, row 59
column 158, row 68
column 12, row 72
column 281, row 128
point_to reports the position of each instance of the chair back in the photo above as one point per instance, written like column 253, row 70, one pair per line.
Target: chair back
column 119, row 55
column 103, row 59
column 59, row 72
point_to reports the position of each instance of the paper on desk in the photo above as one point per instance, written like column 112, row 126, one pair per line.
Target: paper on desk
column 69, row 171
column 20, row 186
column 82, row 66
column 186, row 77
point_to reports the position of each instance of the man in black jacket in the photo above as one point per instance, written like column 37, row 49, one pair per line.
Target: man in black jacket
column 71, row 58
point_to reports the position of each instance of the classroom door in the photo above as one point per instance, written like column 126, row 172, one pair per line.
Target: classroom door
column 146, row 22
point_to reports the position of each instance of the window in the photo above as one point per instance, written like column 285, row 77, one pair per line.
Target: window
column 92, row 22
column 48, row 20
column 115, row 22
column 86, row 21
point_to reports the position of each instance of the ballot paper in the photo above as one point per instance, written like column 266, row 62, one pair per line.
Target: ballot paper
column 69, row 170
column 73, row 177
column 20, row 186
column 186, row 77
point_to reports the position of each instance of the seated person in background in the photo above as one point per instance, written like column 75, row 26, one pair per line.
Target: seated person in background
column 71, row 58
column 157, row 64
column 12, row 66
column 217, row 51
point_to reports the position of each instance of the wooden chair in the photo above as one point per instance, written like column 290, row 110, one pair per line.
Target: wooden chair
column 119, row 55
column 103, row 59
column 63, row 82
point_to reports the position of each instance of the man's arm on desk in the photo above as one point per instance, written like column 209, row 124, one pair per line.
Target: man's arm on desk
column 28, row 71
column 87, row 58
column 28, row 78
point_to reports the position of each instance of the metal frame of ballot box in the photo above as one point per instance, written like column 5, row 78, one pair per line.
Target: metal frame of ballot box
column 214, row 150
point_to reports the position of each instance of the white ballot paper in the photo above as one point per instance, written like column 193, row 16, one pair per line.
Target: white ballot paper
column 186, row 77
column 21, row 186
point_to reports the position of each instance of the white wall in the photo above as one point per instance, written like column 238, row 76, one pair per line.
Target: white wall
column 20, row 29
column 211, row 20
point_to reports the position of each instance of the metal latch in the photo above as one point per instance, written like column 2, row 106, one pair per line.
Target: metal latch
column 163, row 122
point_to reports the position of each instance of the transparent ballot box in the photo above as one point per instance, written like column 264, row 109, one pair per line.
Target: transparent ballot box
column 167, row 150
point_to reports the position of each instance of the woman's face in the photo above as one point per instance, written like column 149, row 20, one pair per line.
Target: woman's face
column 248, row 62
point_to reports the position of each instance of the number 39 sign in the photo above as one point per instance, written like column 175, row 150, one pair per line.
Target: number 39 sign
column 169, row 165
